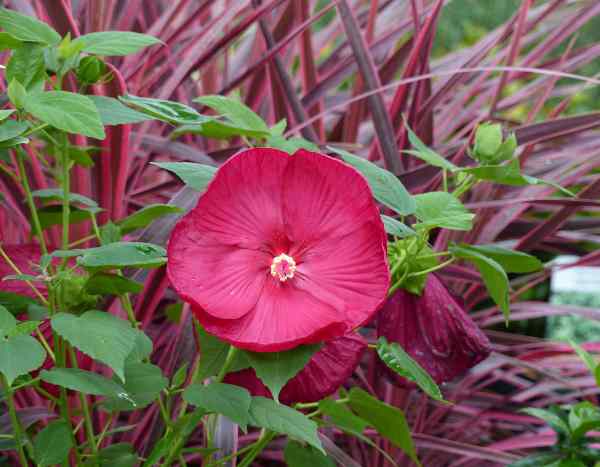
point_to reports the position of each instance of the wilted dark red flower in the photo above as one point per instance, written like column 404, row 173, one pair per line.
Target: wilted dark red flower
column 25, row 257
column 281, row 250
column 325, row 372
column 434, row 330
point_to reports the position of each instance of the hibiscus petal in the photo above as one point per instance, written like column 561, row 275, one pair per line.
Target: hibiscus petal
column 327, row 370
column 242, row 204
column 224, row 280
column 434, row 329
column 350, row 273
column 324, row 198
column 283, row 318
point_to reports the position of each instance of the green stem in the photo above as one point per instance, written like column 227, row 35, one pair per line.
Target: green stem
column 66, row 186
column 231, row 354
column 15, row 422
column 265, row 438
column 89, row 426
column 229, row 457
column 435, row 268
column 29, row 198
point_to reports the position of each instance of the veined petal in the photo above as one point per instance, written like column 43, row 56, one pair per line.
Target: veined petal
column 222, row 279
column 284, row 317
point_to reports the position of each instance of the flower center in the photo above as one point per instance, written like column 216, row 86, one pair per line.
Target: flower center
column 283, row 267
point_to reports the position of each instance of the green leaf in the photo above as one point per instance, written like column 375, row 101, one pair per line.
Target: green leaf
column 26, row 28
column 290, row 145
column 275, row 369
column 57, row 194
column 116, row 455
column 11, row 129
column 583, row 417
column 7, row 321
column 386, row 187
column 550, row 418
column 102, row 336
column 104, row 283
column 535, row 460
column 387, row 420
column 182, row 429
column 298, row 455
column 8, row 42
column 52, row 215
column 589, row 361
column 226, row 399
column 52, row 444
column 510, row 260
column 15, row 303
column 398, row 360
column 113, row 112
column 115, row 43
column 440, row 209
column 235, row 111
column 27, row 66
column 492, row 273
column 123, row 254
column 396, row 228
column 196, row 176
column 110, row 233
column 266, row 413
column 83, row 381
column 142, row 348
column 146, row 216
column 166, row 111
column 342, row 417
column 5, row 113
column 212, row 354
column 217, row 129
column 23, row 328
column 67, row 111
column 180, row 376
column 19, row 355
column 16, row 93
column 427, row 154
column 143, row 383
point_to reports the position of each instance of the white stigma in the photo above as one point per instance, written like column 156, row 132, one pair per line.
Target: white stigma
column 283, row 267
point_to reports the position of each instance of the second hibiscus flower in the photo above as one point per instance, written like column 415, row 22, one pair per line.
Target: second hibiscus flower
column 281, row 250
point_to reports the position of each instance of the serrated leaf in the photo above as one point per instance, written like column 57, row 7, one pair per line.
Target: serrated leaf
column 19, row 355
column 267, row 413
column 396, row 228
column 27, row 66
column 10, row 129
column 290, row 145
column 113, row 112
column 115, row 43
column 57, row 194
column 298, row 455
column 26, row 28
column 342, row 417
column 510, row 260
column 52, row 215
column 83, row 381
column 196, row 176
column 123, row 254
column 52, row 444
column 166, row 111
column 143, row 383
column 235, row 111
column 23, row 328
column 440, row 209
column 7, row 321
column 142, row 347
column 102, row 336
column 146, row 216
column 67, row 111
column 8, row 42
column 225, row 399
column 104, row 283
column 386, row 187
column 389, row 421
column 216, row 129
column 398, row 360
column 492, row 273
column 275, row 369
column 423, row 152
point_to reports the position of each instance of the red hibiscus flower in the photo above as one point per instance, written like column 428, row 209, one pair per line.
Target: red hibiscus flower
column 434, row 330
column 280, row 251
column 25, row 257
column 325, row 372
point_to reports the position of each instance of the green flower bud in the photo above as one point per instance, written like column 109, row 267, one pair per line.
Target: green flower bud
column 90, row 70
